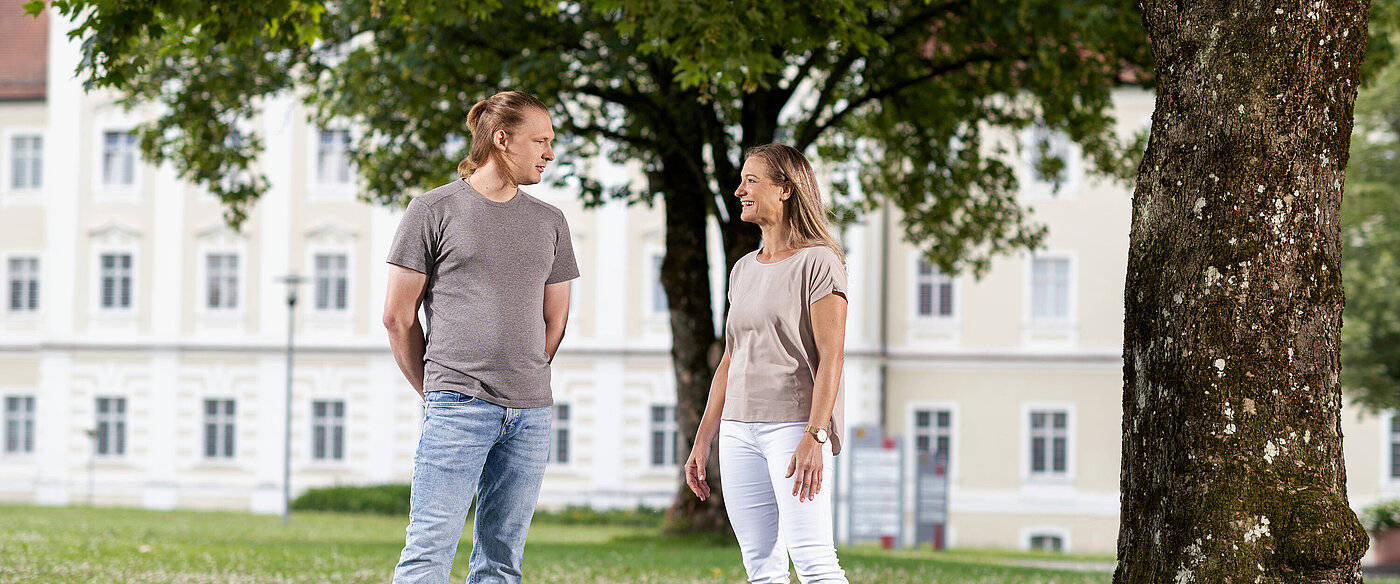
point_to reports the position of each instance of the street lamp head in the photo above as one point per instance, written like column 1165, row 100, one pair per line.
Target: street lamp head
column 291, row 280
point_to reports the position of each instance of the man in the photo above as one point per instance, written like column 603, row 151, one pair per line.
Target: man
column 491, row 267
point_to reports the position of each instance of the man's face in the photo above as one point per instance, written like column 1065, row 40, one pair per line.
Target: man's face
column 529, row 149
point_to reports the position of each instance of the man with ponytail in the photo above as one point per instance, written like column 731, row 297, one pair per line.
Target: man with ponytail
column 490, row 266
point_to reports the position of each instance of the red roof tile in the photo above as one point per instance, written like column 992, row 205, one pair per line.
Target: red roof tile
column 24, row 52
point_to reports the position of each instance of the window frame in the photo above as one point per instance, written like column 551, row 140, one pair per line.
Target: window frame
column 34, row 295
column 917, row 280
column 667, row 426
column 133, row 148
column 1028, row 434
column 1031, row 532
column 100, row 276
column 122, row 421
column 27, row 421
column 560, row 433
column 225, row 425
column 7, row 173
column 334, row 428
column 206, row 281
column 1033, row 187
column 347, row 274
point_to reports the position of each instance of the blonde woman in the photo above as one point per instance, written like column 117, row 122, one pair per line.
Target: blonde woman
column 776, row 402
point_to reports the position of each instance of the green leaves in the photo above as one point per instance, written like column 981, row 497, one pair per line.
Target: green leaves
column 1371, row 245
column 897, row 96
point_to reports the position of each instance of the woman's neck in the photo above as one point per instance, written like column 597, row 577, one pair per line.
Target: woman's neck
column 777, row 241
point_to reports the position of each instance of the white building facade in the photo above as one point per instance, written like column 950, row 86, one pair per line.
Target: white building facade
column 143, row 343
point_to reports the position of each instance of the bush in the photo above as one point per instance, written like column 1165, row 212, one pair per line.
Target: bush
column 577, row 515
column 1381, row 516
column 380, row 499
column 393, row 500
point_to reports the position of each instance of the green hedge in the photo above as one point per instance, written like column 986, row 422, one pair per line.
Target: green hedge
column 393, row 500
column 380, row 499
column 576, row 515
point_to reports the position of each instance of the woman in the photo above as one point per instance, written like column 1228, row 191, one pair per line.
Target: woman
column 775, row 402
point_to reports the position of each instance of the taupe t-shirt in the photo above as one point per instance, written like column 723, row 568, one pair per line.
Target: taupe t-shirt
column 487, row 265
column 772, row 353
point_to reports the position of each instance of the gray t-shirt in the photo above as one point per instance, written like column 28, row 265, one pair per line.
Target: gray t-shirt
column 773, row 355
column 487, row 265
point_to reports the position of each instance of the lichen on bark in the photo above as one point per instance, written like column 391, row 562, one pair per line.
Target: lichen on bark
column 1232, row 451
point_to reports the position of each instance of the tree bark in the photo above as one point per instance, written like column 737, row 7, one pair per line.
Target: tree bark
column 685, row 275
column 1232, row 448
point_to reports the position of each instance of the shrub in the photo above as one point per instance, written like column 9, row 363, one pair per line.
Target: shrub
column 1381, row 516
column 578, row 515
column 380, row 499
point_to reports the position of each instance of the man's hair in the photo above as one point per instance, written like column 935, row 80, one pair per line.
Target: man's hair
column 503, row 111
column 804, row 210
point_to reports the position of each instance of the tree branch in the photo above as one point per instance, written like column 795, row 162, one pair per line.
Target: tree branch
column 808, row 131
column 639, row 141
column 891, row 90
column 802, row 71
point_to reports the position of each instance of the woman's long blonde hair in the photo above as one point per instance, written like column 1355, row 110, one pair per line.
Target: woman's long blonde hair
column 503, row 111
column 805, row 211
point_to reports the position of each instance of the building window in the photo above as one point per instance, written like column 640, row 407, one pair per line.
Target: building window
column 27, row 162
column 1049, row 443
column 1047, row 543
column 559, row 454
column 935, row 292
column 1050, row 289
column 19, row 424
column 1395, row 447
column 1047, row 144
column 333, row 157
column 659, row 305
column 119, row 159
column 332, row 281
column 231, row 181
column 663, row 435
column 116, row 280
column 218, row 428
column 111, row 426
column 933, row 432
column 328, row 430
column 222, row 275
column 24, row 284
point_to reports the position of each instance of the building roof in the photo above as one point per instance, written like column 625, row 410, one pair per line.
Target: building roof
column 24, row 52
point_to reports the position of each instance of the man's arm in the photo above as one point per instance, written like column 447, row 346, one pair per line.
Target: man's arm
column 401, row 319
column 556, row 315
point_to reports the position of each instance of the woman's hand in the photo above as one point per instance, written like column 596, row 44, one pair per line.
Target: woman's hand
column 806, row 465
column 695, row 470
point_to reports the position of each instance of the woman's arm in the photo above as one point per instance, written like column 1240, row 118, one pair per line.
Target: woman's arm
column 705, row 434
column 829, row 332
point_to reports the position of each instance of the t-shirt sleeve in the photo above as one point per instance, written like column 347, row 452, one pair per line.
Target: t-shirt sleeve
column 825, row 276
column 565, row 265
column 416, row 241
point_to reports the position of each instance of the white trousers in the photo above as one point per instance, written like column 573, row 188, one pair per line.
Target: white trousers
column 768, row 520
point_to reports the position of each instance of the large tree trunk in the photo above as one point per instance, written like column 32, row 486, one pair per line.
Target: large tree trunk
column 685, row 275
column 1232, row 446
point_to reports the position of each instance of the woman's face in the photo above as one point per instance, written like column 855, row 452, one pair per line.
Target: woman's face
column 760, row 200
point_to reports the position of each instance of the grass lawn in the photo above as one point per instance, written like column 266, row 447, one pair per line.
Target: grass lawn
column 84, row 545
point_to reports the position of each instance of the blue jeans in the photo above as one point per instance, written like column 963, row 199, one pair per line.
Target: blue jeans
column 469, row 443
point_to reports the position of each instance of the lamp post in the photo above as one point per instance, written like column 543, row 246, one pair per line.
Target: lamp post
column 291, row 280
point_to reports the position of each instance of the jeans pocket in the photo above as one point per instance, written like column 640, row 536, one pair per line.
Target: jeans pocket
column 447, row 398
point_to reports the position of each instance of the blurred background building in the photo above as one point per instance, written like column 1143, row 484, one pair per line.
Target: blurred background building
column 142, row 342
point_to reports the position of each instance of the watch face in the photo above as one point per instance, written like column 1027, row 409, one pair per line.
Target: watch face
column 821, row 435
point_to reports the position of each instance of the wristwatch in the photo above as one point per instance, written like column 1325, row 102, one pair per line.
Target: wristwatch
column 819, row 433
